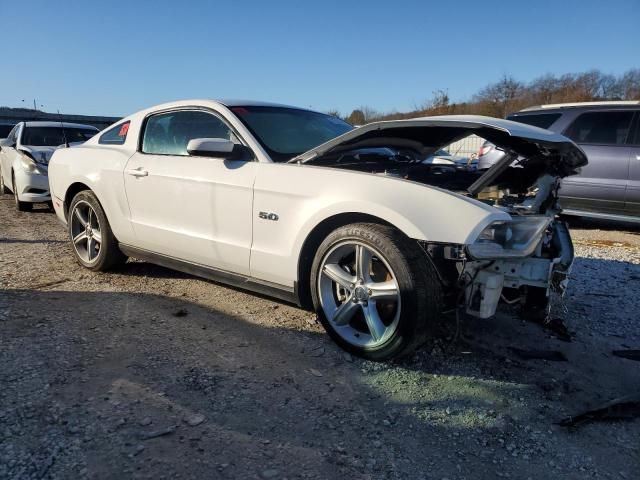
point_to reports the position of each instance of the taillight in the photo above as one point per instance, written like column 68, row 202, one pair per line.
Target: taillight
column 484, row 149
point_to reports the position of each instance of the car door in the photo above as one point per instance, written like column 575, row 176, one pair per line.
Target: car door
column 632, row 204
column 601, row 186
column 191, row 208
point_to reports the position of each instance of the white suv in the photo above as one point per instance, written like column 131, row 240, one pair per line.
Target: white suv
column 25, row 154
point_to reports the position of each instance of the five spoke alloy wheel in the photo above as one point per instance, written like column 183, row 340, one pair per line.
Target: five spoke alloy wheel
column 86, row 232
column 359, row 294
column 93, row 243
column 374, row 290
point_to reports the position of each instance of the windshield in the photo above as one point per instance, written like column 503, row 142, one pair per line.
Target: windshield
column 287, row 132
column 52, row 136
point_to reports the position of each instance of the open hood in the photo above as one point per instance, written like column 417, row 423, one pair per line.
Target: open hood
column 41, row 155
column 531, row 151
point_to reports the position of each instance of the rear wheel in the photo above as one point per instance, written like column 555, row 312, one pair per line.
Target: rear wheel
column 374, row 291
column 20, row 206
column 92, row 240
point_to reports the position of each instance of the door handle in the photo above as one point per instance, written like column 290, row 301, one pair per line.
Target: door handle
column 637, row 157
column 137, row 172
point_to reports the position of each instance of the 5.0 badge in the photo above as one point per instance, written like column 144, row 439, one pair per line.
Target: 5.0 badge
column 268, row 216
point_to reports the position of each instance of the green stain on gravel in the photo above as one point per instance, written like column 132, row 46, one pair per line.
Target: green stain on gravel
column 455, row 401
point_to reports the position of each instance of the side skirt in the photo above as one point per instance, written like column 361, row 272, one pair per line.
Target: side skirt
column 239, row 281
column 602, row 216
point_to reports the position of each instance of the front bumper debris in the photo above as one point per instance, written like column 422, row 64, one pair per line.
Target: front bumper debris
column 487, row 279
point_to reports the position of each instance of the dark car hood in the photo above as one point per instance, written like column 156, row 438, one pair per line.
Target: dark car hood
column 538, row 151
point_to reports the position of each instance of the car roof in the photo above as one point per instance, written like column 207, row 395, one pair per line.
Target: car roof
column 204, row 102
column 254, row 103
column 559, row 107
column 57, row 124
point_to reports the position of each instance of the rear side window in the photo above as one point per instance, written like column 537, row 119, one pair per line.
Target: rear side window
column 169, row 133
column 116, row 135
column 542, row 120
column 602, row 128
column 54, row 136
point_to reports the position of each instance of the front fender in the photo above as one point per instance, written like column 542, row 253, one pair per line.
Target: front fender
column 305, row 196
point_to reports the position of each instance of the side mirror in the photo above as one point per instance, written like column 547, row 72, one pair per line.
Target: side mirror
column 218, row 148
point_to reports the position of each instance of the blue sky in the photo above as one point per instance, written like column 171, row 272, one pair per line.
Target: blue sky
column 114, row 58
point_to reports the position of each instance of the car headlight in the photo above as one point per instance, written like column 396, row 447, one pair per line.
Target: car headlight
column 517, row 237
column 30, row 164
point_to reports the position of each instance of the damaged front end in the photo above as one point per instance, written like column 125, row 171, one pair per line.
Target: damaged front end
column 522, row 259
column 489, row 278
column 527, row 259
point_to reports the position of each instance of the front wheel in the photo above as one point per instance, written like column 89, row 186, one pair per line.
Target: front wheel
column 92, row 240
column 374, row 291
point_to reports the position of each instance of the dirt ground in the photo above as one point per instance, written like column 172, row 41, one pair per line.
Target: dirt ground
column 148, row 373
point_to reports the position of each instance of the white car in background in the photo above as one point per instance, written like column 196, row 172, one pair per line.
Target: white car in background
column 25, row 154
column 299, row 205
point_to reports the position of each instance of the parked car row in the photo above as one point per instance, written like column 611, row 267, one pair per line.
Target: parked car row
column 25, row 155
column 371, row 227
column 609, row 133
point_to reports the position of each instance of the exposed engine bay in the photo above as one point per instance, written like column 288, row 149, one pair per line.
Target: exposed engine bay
column 511, row 193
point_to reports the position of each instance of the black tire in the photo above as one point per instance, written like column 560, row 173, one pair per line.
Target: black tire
column 420, row 291
column 108, row 256
column 4, row 190
column 20, row 206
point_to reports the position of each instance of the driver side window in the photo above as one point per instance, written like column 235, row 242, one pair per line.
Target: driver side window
column 169, row 133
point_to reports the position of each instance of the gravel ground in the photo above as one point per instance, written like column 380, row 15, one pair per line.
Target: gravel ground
column 148, row 373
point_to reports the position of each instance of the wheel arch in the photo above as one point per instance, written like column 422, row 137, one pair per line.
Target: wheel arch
column 313, row 240
column 72, row 191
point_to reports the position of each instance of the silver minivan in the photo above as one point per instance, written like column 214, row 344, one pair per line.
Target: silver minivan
column 609, row 133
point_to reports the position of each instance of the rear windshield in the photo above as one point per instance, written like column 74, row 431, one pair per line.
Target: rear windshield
column 541, row 120
column 287, row 132
column 54, row 136
column 4, row 130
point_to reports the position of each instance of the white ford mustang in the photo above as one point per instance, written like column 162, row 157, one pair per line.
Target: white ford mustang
column 299, row 205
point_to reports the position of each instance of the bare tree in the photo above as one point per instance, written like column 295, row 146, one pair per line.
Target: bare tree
column 356, row 117
column 508, row 95
column 630, row 84
column 500, row 95
column 370, row 114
